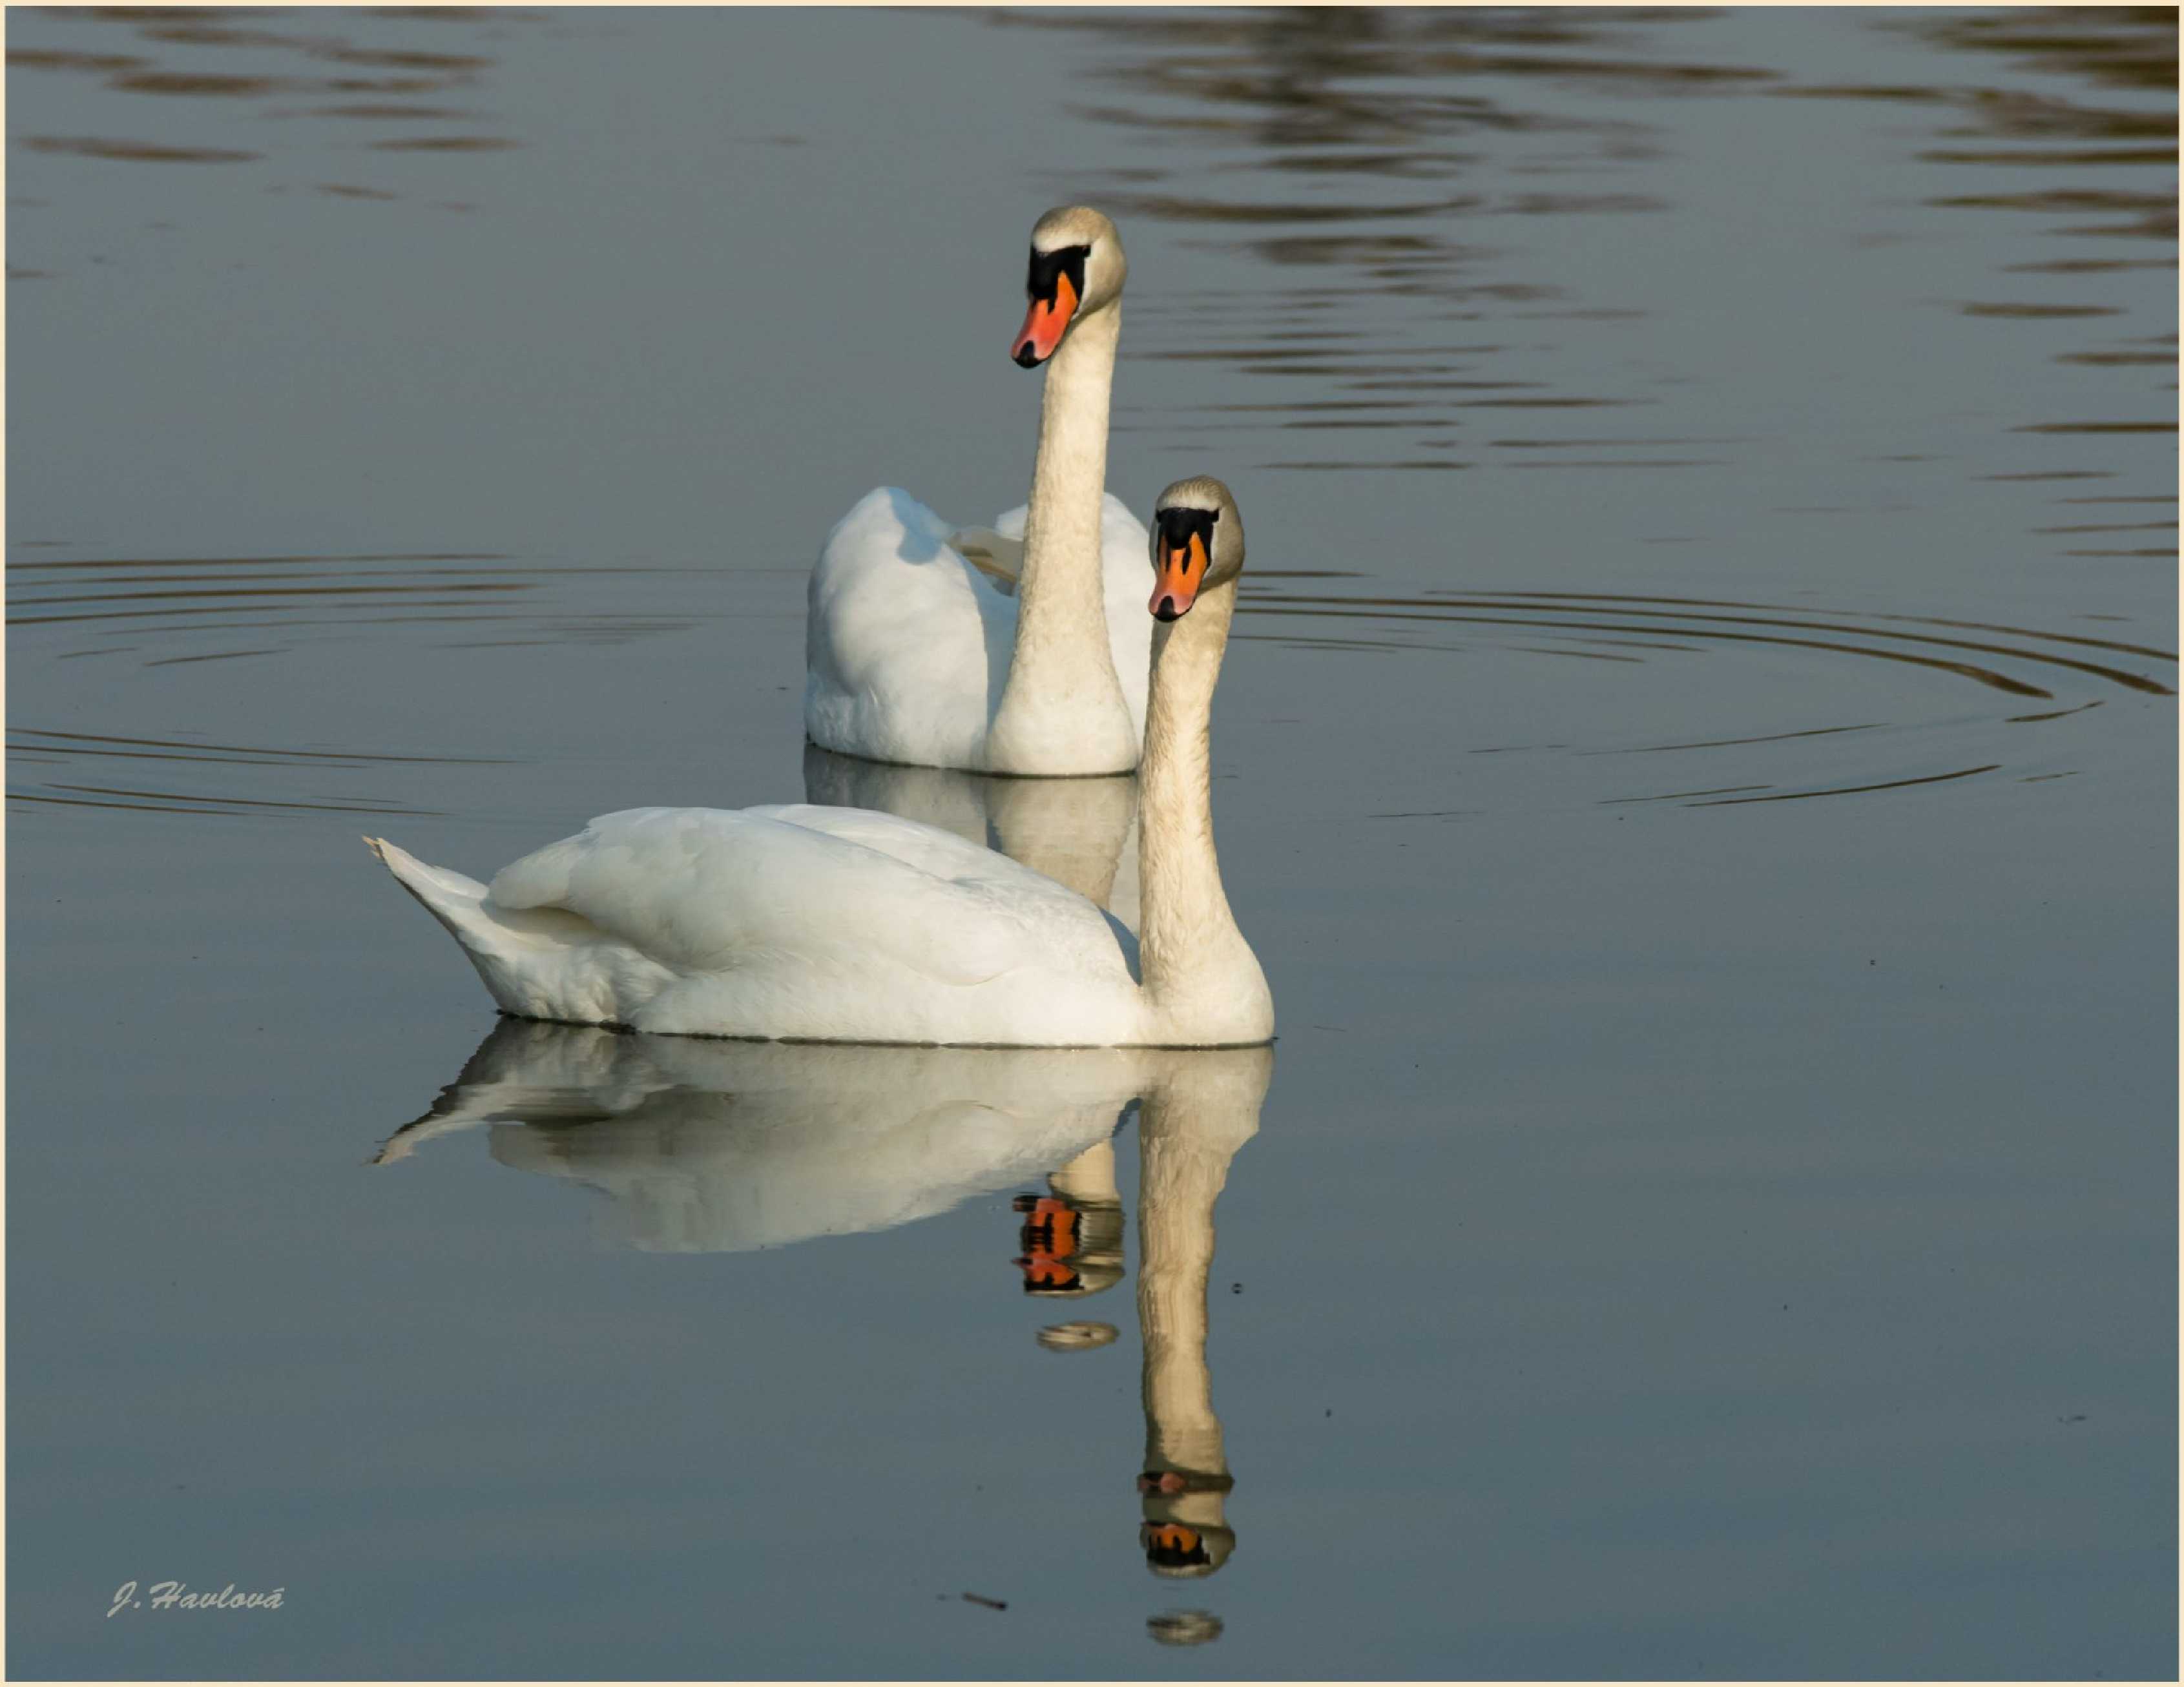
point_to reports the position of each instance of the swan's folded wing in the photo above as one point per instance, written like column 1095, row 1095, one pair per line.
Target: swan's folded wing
column 698, row 889
column 907, row 644
column 1059, row 930
column 933, row 849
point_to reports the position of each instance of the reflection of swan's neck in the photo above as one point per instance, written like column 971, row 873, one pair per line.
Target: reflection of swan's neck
column 1071, row 830
column 1074, row 831
column 1089, row 1180
column 1203, row 983
column 1188, row 1131
column 1062, row 676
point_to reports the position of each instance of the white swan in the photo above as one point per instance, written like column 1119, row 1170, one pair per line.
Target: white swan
column 842, row 925
column 999, row 649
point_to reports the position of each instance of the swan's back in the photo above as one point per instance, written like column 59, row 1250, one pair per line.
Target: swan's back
column 800, row 922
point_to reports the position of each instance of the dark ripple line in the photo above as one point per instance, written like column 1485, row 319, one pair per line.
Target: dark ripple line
column 2119, row 675
column 361, row 757
column 396, row 590
column 1984, row 676
column 233, row 802
column 237, row 561
column 224, row 609
column 1673, row 796
column 2056, row 714
column 1923, row 620
column 135, row 808
column 211, row 656
column 1718, row 743
column 1849, row 790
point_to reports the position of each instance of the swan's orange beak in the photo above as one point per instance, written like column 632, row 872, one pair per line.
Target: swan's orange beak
column 1177, row 578
column 1042, row 324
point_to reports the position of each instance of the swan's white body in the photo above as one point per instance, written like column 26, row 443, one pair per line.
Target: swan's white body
column 791, row 921
column 844, row 924
column 908, row 641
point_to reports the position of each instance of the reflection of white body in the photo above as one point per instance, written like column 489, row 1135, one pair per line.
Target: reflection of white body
column 723, row 1146
column 708, row 1146
column 1080, row 832
column 971, row 649
column 844, row 925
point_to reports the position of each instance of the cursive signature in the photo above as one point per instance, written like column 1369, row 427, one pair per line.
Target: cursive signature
column 178, row 1596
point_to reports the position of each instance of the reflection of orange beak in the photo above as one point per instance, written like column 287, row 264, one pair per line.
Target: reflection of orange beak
column 1051, row 1228
column 1170, row 1547
column 1177, row 579
column 1045, row 1274
column 1042, row 324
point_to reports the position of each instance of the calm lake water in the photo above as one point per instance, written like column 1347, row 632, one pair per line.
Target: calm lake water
column 1663, row 1242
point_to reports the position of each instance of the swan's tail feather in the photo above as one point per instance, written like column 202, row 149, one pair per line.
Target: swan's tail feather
column 494, row 938
column 456, row 902
column 442, row 891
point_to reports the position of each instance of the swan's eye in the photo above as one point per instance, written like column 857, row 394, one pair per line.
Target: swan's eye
column 1055, row 284
column 1179, row 521
column 1048, row 269
column 1042, row 1275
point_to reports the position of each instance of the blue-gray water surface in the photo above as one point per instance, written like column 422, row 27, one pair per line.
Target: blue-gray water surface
column 1697, row 763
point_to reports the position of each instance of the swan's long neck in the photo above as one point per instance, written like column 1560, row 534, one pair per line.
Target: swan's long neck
column 1203, row 983
column 1062, row 702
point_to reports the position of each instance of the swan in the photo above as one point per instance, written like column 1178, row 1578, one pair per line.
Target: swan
column 844, row 924
column 999, row 648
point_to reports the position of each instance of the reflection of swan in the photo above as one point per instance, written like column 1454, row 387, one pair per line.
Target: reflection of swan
column 1205, row 1108
column 846, row 925
column 971, row 649
column 1077, row 832
column 723, row 1146
column 1072, row 1240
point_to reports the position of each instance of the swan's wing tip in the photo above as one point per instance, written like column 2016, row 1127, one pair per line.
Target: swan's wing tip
column 995, row 556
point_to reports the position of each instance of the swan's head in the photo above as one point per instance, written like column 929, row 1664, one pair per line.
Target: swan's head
column 1076, row 267
column 1198, row 540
